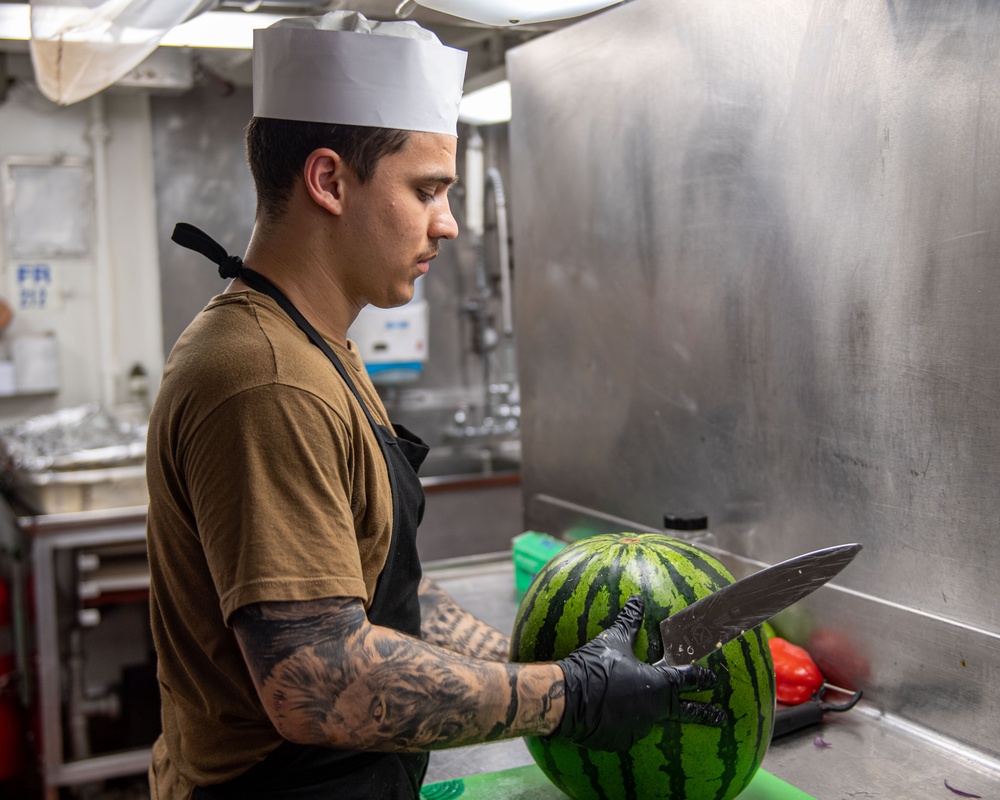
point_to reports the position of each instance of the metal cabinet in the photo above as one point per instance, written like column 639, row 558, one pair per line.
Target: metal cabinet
column 105, row 553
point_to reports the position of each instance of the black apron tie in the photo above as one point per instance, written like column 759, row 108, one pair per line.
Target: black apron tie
column 310, row 772
column 193, row 238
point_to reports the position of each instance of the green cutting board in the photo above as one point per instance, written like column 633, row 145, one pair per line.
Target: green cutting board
column 530, row 783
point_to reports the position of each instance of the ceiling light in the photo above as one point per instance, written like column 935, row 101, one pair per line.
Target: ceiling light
column 486, row 106
column 219, row 29
column 15, row 21
column 503, row 13
column 213, row 29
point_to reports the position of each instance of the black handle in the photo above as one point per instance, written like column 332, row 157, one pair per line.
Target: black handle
column 789, row 719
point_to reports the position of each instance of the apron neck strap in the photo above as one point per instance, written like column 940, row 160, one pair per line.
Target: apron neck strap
column 193, row 238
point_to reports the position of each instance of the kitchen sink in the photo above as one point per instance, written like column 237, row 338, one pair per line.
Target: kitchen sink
column 483, row 462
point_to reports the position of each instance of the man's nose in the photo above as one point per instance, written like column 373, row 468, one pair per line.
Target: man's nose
column 443, row 224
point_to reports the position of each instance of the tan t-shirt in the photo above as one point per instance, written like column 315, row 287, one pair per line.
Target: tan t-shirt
column 265, row 483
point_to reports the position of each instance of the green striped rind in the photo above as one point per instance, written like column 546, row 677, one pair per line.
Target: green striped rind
column 577, row 595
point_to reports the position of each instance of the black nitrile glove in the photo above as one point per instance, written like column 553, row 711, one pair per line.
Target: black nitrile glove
column 613, row 699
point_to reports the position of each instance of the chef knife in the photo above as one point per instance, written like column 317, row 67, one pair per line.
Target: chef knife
column 708, row 623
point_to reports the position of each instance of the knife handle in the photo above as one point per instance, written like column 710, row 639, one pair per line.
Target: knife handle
column 789, row 719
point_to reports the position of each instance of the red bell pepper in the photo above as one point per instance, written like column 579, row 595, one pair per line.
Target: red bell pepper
column 796, row 676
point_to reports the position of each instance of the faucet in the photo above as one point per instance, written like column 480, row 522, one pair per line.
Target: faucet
column 501, row 417
column 501, row 405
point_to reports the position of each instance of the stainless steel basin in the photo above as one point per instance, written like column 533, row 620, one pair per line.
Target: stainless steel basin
column 484, row 462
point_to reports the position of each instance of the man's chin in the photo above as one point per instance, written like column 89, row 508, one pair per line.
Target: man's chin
column 400, row 299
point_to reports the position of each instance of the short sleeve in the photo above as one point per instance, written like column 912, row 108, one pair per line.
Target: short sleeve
column 269, row 472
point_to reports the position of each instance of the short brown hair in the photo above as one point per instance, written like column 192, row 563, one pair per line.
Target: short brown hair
column 277, row 150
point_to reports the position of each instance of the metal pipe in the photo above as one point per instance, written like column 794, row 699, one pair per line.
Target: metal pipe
column 474, row 185
column 495, row 181
column 76, row 718
column 99, row 134
column 475, row 214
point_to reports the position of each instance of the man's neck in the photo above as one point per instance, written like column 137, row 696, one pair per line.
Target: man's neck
column 304, row 275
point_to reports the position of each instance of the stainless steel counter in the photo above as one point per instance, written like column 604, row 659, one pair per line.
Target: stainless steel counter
column 869, row 755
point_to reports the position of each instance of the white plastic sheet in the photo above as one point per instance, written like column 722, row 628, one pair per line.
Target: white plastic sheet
column 79, row 47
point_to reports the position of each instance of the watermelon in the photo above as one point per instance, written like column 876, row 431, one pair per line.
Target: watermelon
column 578, row 594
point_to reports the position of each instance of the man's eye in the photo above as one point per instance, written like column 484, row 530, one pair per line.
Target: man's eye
column 424, row 196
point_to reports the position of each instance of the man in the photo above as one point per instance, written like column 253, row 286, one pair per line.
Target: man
column 301, row 653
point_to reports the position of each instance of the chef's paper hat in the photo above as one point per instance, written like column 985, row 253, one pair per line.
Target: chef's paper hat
column 342, row 68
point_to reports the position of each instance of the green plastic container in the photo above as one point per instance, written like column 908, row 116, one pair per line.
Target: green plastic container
column 531, row 552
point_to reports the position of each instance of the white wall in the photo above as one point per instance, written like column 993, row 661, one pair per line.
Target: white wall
column 126, row 300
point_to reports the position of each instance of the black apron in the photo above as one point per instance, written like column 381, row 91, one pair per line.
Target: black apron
column 313, row 772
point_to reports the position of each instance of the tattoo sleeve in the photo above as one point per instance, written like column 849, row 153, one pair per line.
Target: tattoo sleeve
column 326, row 675
column 445, row 623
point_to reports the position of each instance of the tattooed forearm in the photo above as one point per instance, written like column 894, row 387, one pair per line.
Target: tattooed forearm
column 445, row 623
column 327, row 676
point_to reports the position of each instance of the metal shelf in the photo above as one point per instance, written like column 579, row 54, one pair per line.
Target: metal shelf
column 50, row 535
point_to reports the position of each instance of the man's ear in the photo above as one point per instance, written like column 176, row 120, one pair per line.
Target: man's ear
column 324, row 175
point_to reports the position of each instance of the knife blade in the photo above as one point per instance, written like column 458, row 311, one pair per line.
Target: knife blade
column 707, row 624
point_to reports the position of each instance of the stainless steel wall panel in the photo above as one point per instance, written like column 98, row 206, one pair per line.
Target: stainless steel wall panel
column 757, row 250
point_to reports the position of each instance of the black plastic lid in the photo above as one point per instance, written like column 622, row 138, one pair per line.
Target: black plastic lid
column 685, row 522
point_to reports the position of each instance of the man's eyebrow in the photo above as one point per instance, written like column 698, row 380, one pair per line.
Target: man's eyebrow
column 443, row 178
